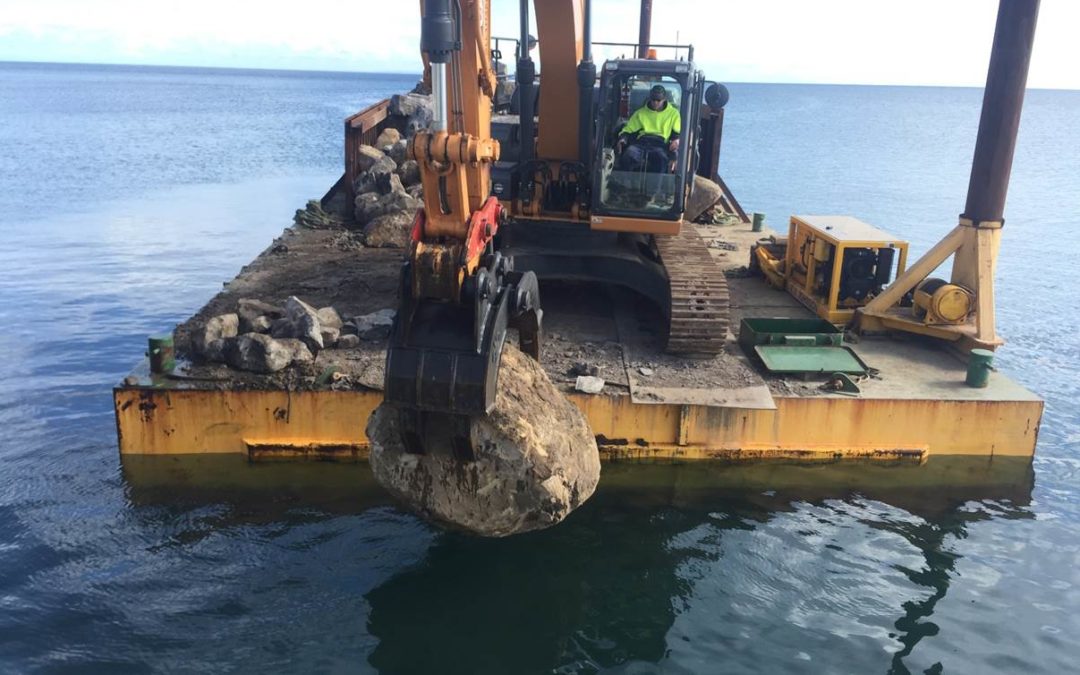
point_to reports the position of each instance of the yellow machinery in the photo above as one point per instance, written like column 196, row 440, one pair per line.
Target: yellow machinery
column 937, row 302
column 545, row 192
column 835, row 264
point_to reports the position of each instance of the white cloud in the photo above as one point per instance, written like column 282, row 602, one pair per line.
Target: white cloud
column 911, row 42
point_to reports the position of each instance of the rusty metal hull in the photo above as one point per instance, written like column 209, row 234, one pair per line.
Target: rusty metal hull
column 330, row 425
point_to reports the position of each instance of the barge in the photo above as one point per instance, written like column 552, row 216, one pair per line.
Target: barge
column 912, row 405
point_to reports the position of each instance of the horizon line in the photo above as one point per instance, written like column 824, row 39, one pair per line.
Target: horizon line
column 416, row 74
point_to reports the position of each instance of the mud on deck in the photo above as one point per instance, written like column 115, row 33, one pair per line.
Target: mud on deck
column 611, row 329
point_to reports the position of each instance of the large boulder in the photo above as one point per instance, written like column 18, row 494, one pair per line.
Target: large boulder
column 365, row 205
column 256, row 315
column 371, row 159
column 371, row 327
column 409, row 171
column 207, row 336
column 258, row 353
column 534, row 459
column 407, row 105
column 329, row 317
column 301, row 321
column 385, row 183
column 390, row 230
column 704, row 194
column 399, row 152
column 368, row 208
column 379, row 181
column 389, row 136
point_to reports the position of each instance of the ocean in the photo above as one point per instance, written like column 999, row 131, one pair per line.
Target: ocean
column 130, row 194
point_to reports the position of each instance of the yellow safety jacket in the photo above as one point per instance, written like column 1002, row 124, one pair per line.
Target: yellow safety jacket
column 664, row 123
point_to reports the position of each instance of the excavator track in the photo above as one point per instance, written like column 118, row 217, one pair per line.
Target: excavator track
column 700, row 304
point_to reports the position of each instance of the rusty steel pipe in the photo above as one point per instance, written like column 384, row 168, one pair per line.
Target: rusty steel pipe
column 644, row 28
column 1003, row 100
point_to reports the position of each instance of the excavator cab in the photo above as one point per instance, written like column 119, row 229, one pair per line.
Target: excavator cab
column 644, row 179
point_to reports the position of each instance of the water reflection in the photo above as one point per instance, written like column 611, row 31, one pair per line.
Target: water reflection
column 672, row 566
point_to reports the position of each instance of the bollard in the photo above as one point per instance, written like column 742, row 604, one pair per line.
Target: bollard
column 759, row 222
column 162, row 354
column 980, row 363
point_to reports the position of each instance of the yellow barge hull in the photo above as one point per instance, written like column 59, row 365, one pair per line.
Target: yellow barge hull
column 330, row 425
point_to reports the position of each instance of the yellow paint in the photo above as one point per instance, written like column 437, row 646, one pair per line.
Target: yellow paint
column 811, row 242
column 330, row 424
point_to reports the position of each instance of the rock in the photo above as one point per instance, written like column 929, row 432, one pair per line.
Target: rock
column 647, row 372
column 377, row 179
column 215, row 351
column 389, row 136
column 372, row 160
column 704, row 194
column 367, row 209
column 409, row 171
column 418, row 121
column 300, row 352
column 328, row 317
column 534, row 459
column 257, row 353
column 330, row 336
column 416, row 191
column 385, row 183
column 216, row 328
column 582, row 368
column 365, row 204
column 388, row 231
column 261, row 324
column 589, row 384
column 348, row 342
column 256, row 316
column 407, row 105
column 399, row 152
column 303, row 323
column 371, row 327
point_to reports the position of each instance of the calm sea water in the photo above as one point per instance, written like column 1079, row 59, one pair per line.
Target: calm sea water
column 130, row 194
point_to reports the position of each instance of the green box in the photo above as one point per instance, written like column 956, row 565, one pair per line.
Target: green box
column 780, row 331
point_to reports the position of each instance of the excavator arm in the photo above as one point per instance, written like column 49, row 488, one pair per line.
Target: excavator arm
column 458, row 296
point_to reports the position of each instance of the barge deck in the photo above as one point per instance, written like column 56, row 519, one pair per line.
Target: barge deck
column 915, row 405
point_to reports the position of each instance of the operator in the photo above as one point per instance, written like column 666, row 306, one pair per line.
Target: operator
column 656, row 125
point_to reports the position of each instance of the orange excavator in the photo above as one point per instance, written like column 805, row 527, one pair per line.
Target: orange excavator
column 543, row 192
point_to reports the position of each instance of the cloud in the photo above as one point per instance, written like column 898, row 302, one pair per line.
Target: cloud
column 910, row 42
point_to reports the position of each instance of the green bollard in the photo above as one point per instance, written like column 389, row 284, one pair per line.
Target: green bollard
column 759, row 222
column 162, row 354
column 980, row 363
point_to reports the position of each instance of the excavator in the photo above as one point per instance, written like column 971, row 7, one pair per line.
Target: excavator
column 540, row 193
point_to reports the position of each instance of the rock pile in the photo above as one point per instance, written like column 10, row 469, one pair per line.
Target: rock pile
column 264, row 338
column 388, row 188
column 534, row 459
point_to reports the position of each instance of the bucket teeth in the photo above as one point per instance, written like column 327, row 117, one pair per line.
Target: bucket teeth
column 700, row 305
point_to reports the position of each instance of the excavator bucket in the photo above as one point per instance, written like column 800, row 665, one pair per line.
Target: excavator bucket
column 444, row 357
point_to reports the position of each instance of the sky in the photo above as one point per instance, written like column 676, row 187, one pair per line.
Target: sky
column 912, row 42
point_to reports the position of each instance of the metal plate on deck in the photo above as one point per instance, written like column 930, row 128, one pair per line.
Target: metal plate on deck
column 818, row 359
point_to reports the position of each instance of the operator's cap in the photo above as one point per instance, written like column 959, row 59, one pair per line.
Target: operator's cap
column 658, row 93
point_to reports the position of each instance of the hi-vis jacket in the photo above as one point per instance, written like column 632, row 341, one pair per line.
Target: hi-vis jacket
column 665, row 123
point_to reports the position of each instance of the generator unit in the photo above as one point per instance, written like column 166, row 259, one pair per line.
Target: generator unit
column 834, row 264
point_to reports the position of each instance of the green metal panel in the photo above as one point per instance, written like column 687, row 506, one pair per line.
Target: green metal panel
column 778, row 331
column 818, row 359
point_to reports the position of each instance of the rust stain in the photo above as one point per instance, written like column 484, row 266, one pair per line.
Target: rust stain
column 147, row 406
